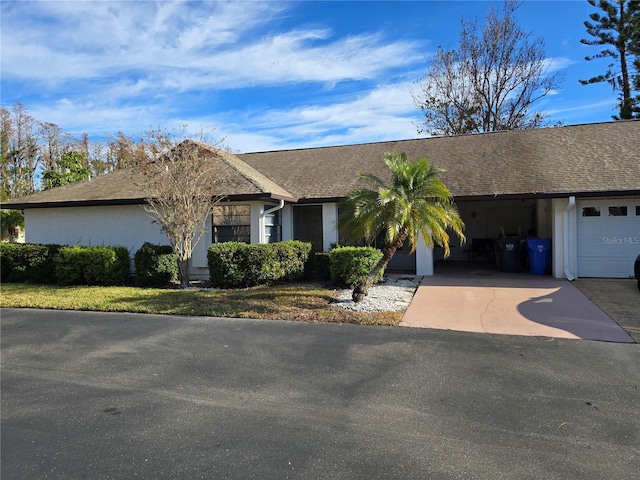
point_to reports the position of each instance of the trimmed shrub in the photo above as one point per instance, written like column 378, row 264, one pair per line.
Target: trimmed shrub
column 295, row 258
column 155, row 265
column 235, row 264
column 350, row 265
column 27, row 262
column 226, row 268
column 92, row 265
column 322, row 265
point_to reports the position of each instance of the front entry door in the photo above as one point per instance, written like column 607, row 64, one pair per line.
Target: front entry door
column 307, row 225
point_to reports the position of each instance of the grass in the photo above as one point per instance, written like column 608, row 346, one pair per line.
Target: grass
column 295, row 302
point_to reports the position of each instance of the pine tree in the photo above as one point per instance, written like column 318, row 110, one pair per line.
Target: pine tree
column 617, row 31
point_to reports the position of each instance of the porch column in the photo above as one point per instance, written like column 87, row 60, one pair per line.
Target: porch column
column 424, row 258
column 257, row 222
column 329, row 225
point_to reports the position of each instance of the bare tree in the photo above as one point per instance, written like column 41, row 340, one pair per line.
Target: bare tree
column 184, row 180
column 55, row 142
column 6, row 132
column 24, row 151
column 489, row 83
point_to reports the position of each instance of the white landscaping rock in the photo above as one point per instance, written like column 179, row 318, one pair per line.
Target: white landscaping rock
column 393, row 294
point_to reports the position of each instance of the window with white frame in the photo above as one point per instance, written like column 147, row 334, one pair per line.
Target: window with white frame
column 273, row 227
column 232, row 223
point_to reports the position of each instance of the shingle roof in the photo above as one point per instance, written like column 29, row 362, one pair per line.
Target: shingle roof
column 581, row 159
column 126, row 186
column 603, row 157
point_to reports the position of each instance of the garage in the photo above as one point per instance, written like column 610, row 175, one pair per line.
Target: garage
column 608, row 234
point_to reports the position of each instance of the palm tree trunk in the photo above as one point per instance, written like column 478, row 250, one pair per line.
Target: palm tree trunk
column 362, row 289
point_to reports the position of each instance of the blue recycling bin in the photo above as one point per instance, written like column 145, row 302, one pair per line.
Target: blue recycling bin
column 539, row 255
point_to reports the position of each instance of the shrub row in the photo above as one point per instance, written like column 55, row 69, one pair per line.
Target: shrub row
column 155, row 265
column 27, row 263
column 92, row 265
column 231, row 264
column 33, row 263
column 235, row 264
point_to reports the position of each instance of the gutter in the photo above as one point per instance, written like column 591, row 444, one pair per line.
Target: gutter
column 567, row 244
column 280, row 206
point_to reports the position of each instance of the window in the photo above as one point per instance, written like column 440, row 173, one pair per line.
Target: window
column 232, row 223
column 637, row 210
column 273, row 227
column 618, row 211
column 590, row 211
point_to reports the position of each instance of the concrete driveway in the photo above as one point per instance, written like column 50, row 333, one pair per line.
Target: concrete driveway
column 90, row 395
column 512, row 304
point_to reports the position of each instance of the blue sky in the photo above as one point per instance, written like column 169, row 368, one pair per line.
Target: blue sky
column 266, row 75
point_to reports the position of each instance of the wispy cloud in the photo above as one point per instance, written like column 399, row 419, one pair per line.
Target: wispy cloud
column 183, row 46
column 266, row 74
column 386, row 112
column 123, row 64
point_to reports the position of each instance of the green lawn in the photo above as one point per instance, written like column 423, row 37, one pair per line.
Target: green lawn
column 296, row 302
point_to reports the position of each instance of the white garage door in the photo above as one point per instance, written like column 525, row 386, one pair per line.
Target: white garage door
column 608, row 237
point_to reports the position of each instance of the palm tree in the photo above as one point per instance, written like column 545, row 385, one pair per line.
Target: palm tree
column 415, row 203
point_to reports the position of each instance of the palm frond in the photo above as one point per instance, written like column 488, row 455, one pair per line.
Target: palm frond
column 416, row 201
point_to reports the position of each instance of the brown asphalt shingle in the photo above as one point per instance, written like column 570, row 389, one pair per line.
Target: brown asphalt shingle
column 580, row 159
column 128, row 186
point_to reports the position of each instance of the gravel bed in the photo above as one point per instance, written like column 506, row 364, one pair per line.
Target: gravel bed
column 393, row 294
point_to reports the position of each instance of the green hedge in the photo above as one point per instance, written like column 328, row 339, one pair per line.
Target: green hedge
column 350, row 265
column 27, row 262
column 322, row 265
column 92, row 265
column 156, row 265
column 235, row 264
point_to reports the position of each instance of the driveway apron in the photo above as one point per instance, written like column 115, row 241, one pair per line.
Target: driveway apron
column 511, row 305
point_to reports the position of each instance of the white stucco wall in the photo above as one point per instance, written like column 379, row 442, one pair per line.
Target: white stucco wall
column 128, row 226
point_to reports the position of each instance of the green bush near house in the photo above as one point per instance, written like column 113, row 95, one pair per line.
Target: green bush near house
column 351, row 265
column 295, row 258
column 27, row 262
column 226, row 264
column 92, row 265
column 237, row 265
column 156, row 265
column 322, row 265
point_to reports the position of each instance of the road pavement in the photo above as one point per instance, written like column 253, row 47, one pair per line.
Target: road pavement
column 90, row 395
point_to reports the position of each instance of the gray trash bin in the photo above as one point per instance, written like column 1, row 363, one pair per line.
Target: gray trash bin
column 509, row 254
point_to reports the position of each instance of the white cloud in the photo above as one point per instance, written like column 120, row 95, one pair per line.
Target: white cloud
column 185, row 46
column 384, row 113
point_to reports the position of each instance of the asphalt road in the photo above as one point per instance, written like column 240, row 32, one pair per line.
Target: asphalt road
column 123, row 396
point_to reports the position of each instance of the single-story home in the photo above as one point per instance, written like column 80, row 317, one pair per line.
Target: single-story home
column 577, row 185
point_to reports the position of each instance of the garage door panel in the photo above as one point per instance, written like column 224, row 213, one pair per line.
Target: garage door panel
column 608, row 244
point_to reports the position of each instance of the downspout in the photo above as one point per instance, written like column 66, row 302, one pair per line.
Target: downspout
column 280, row 206
column 567, row 244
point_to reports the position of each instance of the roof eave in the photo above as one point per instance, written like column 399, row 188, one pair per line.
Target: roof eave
column 133, row 201
column 71, row 203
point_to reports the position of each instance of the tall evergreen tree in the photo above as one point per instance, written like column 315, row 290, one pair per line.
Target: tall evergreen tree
column 616, row 30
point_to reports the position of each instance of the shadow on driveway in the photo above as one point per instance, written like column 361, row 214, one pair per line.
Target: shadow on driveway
column 510, row 304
